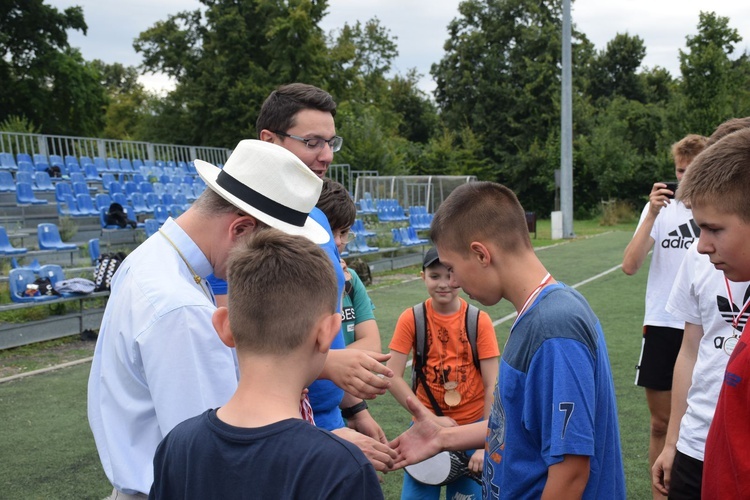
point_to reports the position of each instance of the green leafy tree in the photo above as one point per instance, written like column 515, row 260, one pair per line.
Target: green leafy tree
column 127, row 100
column 227, row 60
column 500, row 76
column 43, row 78
column 709, row 79
column 614, row 70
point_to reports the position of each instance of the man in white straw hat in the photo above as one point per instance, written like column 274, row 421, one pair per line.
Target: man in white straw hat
column 158, row 359
column 300, row 118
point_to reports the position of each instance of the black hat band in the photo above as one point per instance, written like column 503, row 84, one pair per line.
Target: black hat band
column 259, row 201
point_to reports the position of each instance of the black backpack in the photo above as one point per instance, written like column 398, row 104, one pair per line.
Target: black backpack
column 471, row 320
column 105, row 269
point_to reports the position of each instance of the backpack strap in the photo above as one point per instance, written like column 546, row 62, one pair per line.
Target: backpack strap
column 420, row 343
column 472, row 325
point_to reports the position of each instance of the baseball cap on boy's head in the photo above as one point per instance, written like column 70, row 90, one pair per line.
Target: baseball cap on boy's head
column 430, row 258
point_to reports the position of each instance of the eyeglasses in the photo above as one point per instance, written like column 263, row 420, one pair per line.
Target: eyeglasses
column 334, row 142
column 345, row 235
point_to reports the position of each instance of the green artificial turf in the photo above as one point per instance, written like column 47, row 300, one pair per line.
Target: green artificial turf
column 47, row 451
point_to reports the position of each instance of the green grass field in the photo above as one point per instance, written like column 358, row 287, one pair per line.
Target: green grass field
column 47, row 450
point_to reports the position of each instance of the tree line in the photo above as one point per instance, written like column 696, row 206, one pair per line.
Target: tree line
column 494, row 114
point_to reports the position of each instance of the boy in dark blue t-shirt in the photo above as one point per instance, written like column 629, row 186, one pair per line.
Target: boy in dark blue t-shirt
column 257, row 445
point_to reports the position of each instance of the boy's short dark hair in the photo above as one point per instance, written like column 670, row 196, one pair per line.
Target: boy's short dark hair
column 481, row 211
column 269, row 274
column 280, row 107
column 720, row 176
column 687, row 148
column 337, row 205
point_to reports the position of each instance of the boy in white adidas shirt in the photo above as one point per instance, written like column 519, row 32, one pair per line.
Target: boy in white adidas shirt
column 707, row 304
column 667, row 226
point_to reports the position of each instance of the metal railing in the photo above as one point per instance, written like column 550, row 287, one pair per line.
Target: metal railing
column 62, row 145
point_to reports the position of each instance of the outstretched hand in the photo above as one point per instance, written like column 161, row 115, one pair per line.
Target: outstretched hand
column 421, row 441
column 380, row 455
column 357, row 372
column 363, row 423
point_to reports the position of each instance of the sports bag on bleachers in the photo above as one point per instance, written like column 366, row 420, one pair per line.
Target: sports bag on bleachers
column 105, row 269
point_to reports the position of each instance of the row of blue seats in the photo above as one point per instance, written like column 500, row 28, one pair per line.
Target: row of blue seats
column 20, row 277
column 191, row 191
column 420, row 221
column 407, row 236
column 359, row 228
column 70, row 163
column 359, row 245
column 48, row 236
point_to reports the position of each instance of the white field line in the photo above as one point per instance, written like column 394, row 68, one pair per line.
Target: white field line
column 511, row 316
column 45, row 370
column 408, row 363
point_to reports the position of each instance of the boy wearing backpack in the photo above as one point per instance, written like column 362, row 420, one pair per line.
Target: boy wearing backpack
column 455, row 366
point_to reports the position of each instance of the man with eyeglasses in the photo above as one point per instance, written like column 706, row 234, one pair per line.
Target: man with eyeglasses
column 299, row 118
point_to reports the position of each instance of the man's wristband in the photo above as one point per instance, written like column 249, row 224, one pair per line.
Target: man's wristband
column 353, row 410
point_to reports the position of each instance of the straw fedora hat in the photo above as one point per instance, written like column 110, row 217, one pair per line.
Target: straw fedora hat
column 271, row 184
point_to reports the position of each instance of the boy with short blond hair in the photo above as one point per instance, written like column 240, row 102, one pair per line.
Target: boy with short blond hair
column 666, row 226
column 553, row 430
column 716, row 190
column 257, row 445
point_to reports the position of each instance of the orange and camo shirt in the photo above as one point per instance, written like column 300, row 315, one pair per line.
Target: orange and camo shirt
column 447, row 339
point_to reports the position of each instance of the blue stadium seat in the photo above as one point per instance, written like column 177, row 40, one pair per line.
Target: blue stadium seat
column 86, row 204
column 175, row 210
column 152, row 199
column 7, row 184
column 167, row 199
column 27, row 177
column 91, row 173
column 113, row 165
column 103, row 220
column 139, row 204
column 72, row 169
column 414, row 237
column 130, row 188
column 80, row 188
column 24, row 157
column 61, row 190
column 102, row 200
column 18, row 279
column 85, row 160
column 94, row 251
column 54, row 272
column 49, row 238
column 72, row 160
column 43, row 182
column 7, row 162
column 126, row 167
column 25, row 195
column 5, row 246
column 152, row 226
column 101, row 164
column 76, row 177
column 362, row 245
column 108, row 179
column 161, row 214
column 25, row 166
column 56, row 161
